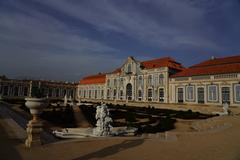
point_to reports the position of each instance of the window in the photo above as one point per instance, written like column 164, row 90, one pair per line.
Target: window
column 140, row 80
column 155, row 80
column 121, row 94
column 114, row 93
column 121, row 81
column 129, row 68
column 108, row 94
column 237, row 93
column 190, row 93
column 115, row 82
column 95, row 94
column 150, row 94
column 89, row 94
column 139, row 95
column 50, row 92
column 129, row 91
column 108, row 82
column 57, row 92
column 102, row 94
column 212, row 93
column 161, row 94
column 150, row 80
column 161, row 79
column 15, row 91
column 84, row 94
column 5, row 90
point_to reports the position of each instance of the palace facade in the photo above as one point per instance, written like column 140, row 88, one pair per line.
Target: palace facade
column 164, row 80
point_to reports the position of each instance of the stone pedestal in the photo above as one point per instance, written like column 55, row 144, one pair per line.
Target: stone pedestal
column 34, row 129
column 35, row 126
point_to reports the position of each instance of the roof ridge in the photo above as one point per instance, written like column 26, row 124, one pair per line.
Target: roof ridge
column 167, row 57
column 218, row 61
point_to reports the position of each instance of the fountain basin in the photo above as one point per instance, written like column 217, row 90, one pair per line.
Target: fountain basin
column 89, row 132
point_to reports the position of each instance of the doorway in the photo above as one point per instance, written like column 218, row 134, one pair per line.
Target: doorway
column 129, row 91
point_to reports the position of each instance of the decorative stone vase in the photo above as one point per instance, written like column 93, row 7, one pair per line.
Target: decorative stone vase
column 34, row 126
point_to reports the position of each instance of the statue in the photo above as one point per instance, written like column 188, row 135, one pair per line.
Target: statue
column 65, row 100
column 103, row 121
column 225, row 108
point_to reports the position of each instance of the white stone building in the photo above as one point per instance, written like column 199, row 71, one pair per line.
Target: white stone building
column 164, row 80
column 133, row 81
column 211, row 82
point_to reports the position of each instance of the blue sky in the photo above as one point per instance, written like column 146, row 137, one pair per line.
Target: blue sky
column 67, row 39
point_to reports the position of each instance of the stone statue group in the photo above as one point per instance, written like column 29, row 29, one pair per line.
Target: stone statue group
column 103, row 125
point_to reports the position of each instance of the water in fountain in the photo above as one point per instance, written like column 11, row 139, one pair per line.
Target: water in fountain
column 103, row 127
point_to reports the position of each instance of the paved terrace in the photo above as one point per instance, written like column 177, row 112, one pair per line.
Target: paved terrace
column 223, row 144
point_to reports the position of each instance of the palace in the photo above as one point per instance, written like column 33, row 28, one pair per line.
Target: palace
column 212, row 82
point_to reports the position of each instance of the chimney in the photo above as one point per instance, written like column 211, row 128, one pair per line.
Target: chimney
column 213, row 57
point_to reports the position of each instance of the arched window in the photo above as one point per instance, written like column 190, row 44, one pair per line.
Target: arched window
column 108, row 82
column 161, row 79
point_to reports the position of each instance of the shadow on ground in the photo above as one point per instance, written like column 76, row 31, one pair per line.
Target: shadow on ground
column 7, row 145
column 107, row 151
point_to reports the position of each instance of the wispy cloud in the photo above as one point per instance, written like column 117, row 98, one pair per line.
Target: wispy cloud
column 65, row 39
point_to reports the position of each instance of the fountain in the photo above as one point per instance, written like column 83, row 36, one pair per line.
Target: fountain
column 103, row 127
column 225, row 110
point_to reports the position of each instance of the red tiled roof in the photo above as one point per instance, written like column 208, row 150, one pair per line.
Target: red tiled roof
column 94, row 79
column 118, row 70
column 212, row 66
column 155, row 63
column 162, row 62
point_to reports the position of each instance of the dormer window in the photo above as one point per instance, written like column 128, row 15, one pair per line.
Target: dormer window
column 129, row 68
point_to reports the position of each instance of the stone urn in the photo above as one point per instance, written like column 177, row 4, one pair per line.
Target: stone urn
column 35, row 126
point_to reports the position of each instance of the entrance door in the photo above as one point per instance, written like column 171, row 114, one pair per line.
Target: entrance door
column 180, row 95
column 161, row 95
column 225, row 94
column 200, row 92
column 129, row 91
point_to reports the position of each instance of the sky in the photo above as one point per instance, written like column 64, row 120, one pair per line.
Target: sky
column 69, row 39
